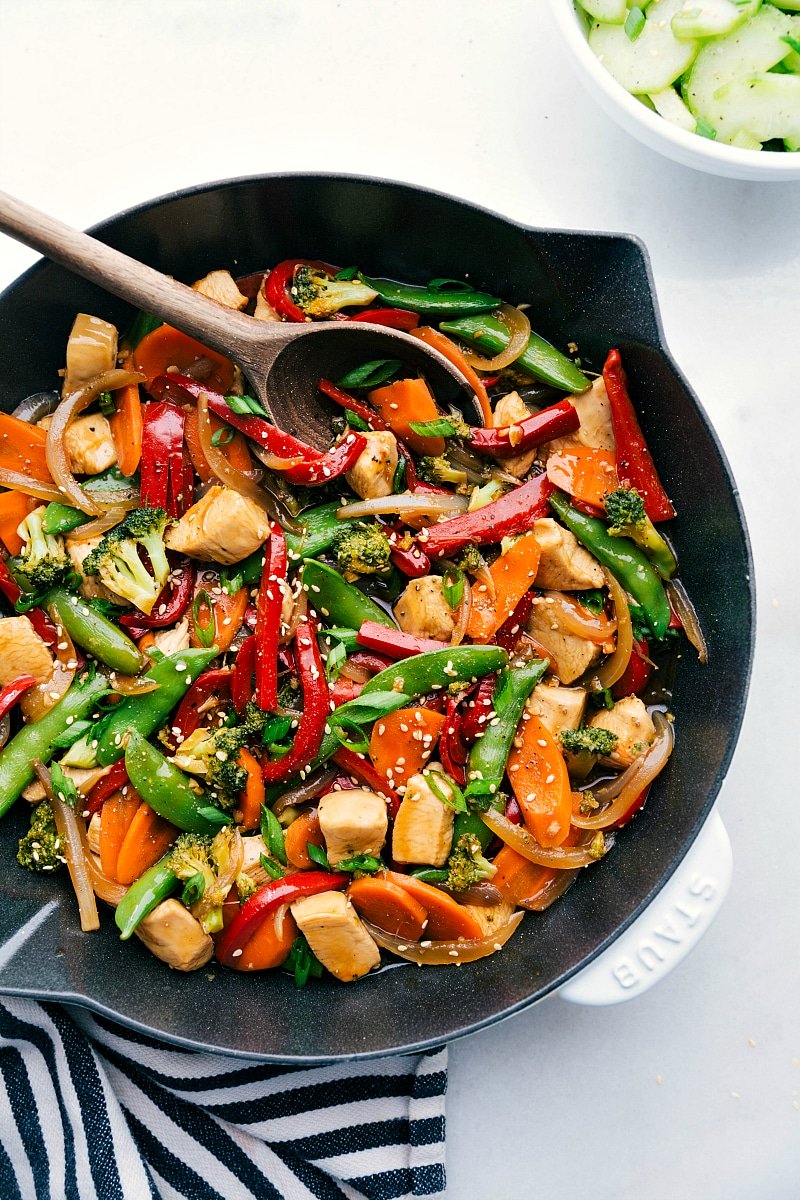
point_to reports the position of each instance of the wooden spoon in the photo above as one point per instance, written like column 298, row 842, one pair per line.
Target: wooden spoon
column 283, row 362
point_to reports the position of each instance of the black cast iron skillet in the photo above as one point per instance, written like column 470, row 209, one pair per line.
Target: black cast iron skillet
column 595, row 289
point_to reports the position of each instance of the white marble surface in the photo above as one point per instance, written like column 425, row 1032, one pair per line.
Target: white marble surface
column 693, row 1090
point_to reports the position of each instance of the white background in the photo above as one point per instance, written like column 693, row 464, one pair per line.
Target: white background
column 105, row 103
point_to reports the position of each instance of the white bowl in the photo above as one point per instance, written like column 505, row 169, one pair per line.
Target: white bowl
column 678, row 144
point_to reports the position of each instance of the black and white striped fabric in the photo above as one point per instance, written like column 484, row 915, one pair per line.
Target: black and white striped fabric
column 92, row 1111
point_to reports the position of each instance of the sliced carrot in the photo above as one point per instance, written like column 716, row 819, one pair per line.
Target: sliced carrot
column 14, row 508
column 585, row 472
column 253, row 795
column 235, row 450
column 148, row 837
column 404, row 401
column 402, row 742
column 228, row 610
column 146, row 641
column 22, row 448
column 115, row 819
column 539, row 777
column 454, row 354
column 447, row 919
column 271, row 943
column 528, row 885
column 303, row 829
column 513, row 574
column 126, row 428
column 388, row 906
column 167, row 347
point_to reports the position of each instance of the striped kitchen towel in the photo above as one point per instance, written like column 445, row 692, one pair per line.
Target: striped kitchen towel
column 91, row 1110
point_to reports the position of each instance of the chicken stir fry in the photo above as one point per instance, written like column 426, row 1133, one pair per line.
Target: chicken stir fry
column 294, row 710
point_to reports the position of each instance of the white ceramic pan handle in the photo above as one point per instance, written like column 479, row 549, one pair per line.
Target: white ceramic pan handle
column 668, row 929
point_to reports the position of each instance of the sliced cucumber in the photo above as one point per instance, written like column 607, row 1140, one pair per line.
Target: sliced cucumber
column 652, row 62
column 669, row 105
column 613, row 12
column 711, row 18
column 763, row 106
column 755, row 47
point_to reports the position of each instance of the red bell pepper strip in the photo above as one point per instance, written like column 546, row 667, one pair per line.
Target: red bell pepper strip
column 277, row 286
column 37, row 617
column 163, row 473
column 412, row 561
column 266, row 900
column 243, row 668
column 170, row 605
column 555, row 421
column 375, row 422
column 268, row 621
column 393, row 642
column 591, row 510
column 635, row 465
column 513, row 811
column 634, row 808
column 336, row 462
column 210, row 683
column 513, row 513
column 476, row 711
column 363, row 770
column 636, row 674
column 511, row 628
column 392, row 318
column 370, row 660
column 316, row 707
column 13, row 691
column 114, row 781
column 452, row 752
column 344, row 690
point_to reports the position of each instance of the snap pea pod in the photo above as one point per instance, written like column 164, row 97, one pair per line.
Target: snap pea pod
column 470, row 822
column 338, row 601
column 432, row 302
column 36, row 740
column 174, row 675
column 623, row 558
column 489, row 755
column 61, row 518
column 489, row 336
column 168, row 790
column 94, row 632
column 157, row 883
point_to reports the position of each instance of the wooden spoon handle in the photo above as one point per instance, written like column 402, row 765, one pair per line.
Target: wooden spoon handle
column 229, row 332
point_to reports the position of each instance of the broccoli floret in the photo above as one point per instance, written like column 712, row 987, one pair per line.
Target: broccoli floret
column 625, row 510
column 470, row 559
column 118, row 562
column 43, row 562
column 40, row 848
column 214, row 754
column 361, row 549
column 439, row 470
column 200, row 861
column 591, row 739
column 320, row 295
column 467, row 865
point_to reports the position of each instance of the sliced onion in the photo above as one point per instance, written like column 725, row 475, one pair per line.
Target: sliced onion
column 482, row 895
column 464, row 611
column 615, row 667
column 101, row 525
column 406, row 504
column 299, row 614
column 232, row 477
column 442, row 954
column 518, row 838
column 5, row 729
column 639, row 775
column 519, row 328
column 576, row 619
column 272, row 460
column 133, row 685
column 551, row 891
column 67, row 824
column 33, row 408
column 311, row 789
column 65, row 414
column 683, row 606
column 31, row 487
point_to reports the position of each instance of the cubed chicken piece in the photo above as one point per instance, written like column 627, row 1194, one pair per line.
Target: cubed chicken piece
column 222, row 527
column 93, row 833
column 84, row 779
column 175, row 936
column 22, row 651
column 633, row 725
column 493, row 917
column 90, row 586
column 423, row 827
column 564, row 564
column 90, row 445
column 336, row 935
column 557, row 707
column 252, row 850
column 171, row 641
column 220, row 286
column 263, row 310
column 572, row 655
column 353, row 821
column 510, row 410
column 596, row 427
column 373, row 473
column 423, row 609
